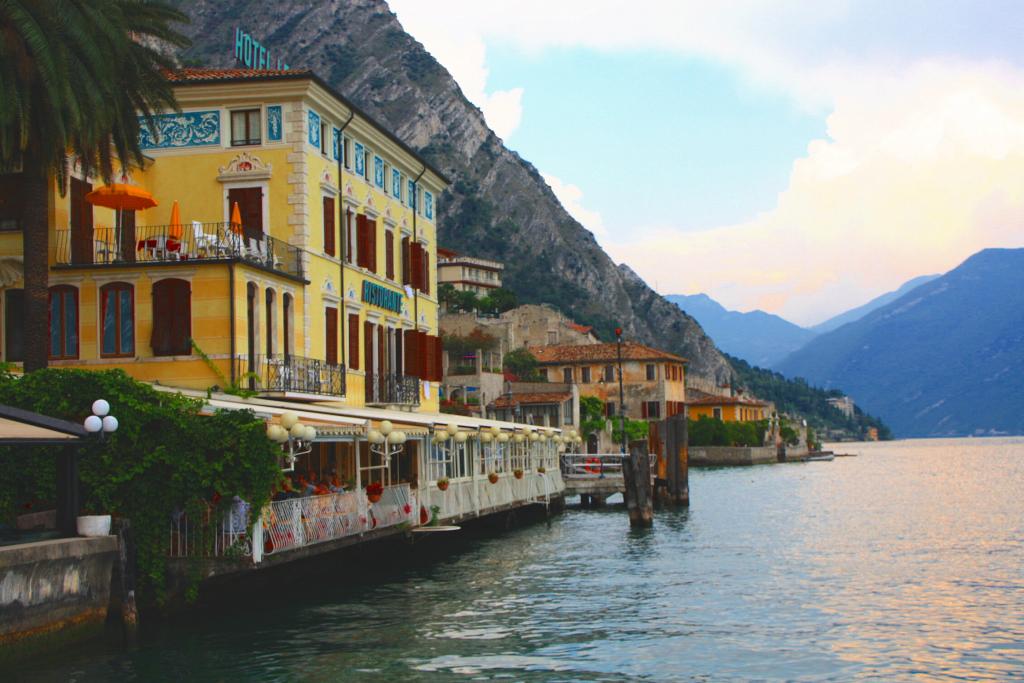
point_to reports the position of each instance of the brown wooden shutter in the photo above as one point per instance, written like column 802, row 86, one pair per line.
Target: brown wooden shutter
column 353, row 341
column 250, row 207
column 389, row 255
column 368, row 359
column 363, row 248
column 416, row 265
column 380, row 356
column 426, row 271
column 411, row 353
column 372, row 241
column 329, row 226
column 172, row 318
column 350, row 237
column 399, row 353
column 331, row 328
column 643, row 409
column 438, row 353
column 405, row 261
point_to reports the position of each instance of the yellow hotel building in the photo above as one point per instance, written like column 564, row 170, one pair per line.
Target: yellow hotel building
column 324, row 291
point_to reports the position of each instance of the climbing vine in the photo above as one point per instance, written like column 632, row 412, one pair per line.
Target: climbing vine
column 166, row 458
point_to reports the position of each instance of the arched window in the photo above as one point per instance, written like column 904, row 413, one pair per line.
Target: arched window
column 117, row 321
column 172, row 318
column 271, row 322
column 287, row 313
column 63, row 322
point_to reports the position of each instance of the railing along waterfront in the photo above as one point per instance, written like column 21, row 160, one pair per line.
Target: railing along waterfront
column 213, row 535
column 595, row 465
column 290, row 524
column 193, row 242
column 392, row 389
column 290, row 373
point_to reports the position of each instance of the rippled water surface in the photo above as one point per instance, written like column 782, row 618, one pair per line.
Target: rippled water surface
column 906, row 562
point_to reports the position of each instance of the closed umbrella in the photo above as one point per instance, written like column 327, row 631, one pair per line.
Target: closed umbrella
column 236, row 219
column 174, row 229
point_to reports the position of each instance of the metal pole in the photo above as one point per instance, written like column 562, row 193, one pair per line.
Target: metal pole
column 622, row 394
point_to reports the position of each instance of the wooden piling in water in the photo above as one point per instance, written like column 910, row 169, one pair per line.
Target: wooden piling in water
column 639, row 493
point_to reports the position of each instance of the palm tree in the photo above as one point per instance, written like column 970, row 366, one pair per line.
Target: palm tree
column 75, row 77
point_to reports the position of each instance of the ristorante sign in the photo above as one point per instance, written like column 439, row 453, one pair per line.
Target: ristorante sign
column 375, row 295
column 249, row 52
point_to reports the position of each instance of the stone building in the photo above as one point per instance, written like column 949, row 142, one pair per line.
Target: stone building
column 654, row 382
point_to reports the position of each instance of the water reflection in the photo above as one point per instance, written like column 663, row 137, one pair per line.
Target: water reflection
column 902, row 563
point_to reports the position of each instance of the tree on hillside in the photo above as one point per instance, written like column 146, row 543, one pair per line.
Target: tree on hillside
column 75, row 75
column 498, row 301
column 523, row 365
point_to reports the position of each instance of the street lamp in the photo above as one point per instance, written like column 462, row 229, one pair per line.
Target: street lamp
column 622, row 393
column 100, row 421
column 291, row 433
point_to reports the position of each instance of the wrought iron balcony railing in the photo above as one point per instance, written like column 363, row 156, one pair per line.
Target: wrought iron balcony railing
column 392, row 389
column 193, row 242
column 272, row 374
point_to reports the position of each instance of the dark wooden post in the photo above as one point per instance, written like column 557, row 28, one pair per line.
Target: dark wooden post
column 636, row 473
column 68, row 502
column 677, row 455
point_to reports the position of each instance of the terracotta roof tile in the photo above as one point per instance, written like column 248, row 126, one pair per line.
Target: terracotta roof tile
column 582, row 329
column 607, row 353
column 529, row 399
column 192, row 75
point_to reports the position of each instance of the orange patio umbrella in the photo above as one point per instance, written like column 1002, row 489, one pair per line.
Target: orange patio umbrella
column 122, row 197
column 236, row 219
column 175, row 230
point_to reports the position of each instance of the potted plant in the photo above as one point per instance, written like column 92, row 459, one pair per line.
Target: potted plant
column 442, row 483
column 541, row 469
column 93, row 525
column 374, row 491
column 492, row 477
column 518, row 472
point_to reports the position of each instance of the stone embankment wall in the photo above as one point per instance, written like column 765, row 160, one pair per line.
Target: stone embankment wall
column 723, row 456
column 52, row 585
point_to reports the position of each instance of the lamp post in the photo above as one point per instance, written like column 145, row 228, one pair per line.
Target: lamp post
column 622, row 393
column 298, row 437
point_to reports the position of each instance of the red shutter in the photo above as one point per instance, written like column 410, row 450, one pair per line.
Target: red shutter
column 643, row 409
column 362, row 242
column 426, row 271
column 372, row 239
column 331, row 328
column 172, row 318
column 438, row 354
column 349, row 236
column 405, row 261
column 329, row 226
column 416, row 265
column 353, row 341
column 411, row 353
column 368, row 359
column 389, row 255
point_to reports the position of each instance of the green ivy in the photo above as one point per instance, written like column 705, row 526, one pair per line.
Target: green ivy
column 164, row 458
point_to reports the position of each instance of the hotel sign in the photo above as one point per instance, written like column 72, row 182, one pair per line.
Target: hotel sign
column 375, row 295
column 249, row 52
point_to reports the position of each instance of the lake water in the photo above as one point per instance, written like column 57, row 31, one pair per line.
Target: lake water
column 904, row 563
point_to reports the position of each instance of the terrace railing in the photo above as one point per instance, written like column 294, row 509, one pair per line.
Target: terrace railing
column 194, row 242
column 392, row 389
column 290, row 373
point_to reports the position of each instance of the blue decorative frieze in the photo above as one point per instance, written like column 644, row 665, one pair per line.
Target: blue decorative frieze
column 360, row 160
column 314, row 129
column 336, row 143
column 428, row 205
column 274, row 131
column 188, row 129
column 378, row 171
column 396, row 184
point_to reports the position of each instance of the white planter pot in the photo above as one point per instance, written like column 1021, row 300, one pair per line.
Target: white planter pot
column 94, row 525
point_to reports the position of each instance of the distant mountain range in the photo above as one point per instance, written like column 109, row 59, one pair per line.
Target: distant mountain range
column 760, row 338
column 944, row 359
column 861, row 311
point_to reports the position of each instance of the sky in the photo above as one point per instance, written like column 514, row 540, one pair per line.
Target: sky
column 795, row 157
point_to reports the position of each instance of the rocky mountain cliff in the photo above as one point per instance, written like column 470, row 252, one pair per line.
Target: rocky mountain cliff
column 498, row 206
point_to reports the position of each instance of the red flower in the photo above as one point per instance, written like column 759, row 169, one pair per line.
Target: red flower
column 374, row 489
column 407, row 508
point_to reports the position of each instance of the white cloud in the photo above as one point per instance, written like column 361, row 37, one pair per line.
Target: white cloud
column 571, row 197
column 923, row 163
column 910, row 181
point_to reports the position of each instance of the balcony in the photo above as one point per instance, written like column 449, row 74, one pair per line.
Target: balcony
column 193, row 243
column 388, row 389
column 294, row 374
